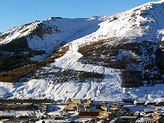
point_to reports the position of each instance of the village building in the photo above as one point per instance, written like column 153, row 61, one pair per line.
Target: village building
column 145, row 120
column 103, row 103
column 84, row 120
column 117, row 109
column 74, row 104
column 149, row 120
column 69, row 101
column 156, row 116
column 158, row 111
column 147, row 112
column 102, row 106
column 89, row 114
column 70, row 108
column 55, row 114
column 105, row 114
column 95, row 114
column 76, row 110
column 87, row 106
column 127, row 119
column 117, row 112
column 42, row 108
column 73, row 107
column 88, row 101
column 78, row 101
column 117, row 105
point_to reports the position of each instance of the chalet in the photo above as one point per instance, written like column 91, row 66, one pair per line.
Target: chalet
column 149, row 120
column 94, row 114
column 147, row 112
column 42, row 108
column 117, row 111
column 87, row 106
column 158, row 111
column 70, row 108
column 103, row 103
column 66, row 114
column 73, row 107
column 84, row 120
column 78, row 101
column 157, row 115
column 89, row 114
column 88, row 101
column 103, row 120
column 55, row 114
column 127, row 119
column 158, row 118
column 74, row 104
column 102, row 106
column 98, row 107
column 105, row 114
column 69, row 101
column 117, row 105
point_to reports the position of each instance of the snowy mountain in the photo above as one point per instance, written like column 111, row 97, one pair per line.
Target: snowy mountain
column 103, row 57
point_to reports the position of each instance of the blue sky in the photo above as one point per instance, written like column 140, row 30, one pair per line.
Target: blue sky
column 18, row 12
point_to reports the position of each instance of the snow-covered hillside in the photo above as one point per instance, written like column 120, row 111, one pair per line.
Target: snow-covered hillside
column 48, row 35
column 133, row 39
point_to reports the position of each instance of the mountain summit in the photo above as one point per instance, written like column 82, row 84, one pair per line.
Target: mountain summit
column 102, row 57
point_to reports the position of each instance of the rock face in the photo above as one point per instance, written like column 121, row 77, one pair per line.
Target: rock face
column 131, row 42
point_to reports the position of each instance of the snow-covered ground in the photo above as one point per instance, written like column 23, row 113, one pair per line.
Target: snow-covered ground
column 77, row 32
column 108, row 90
